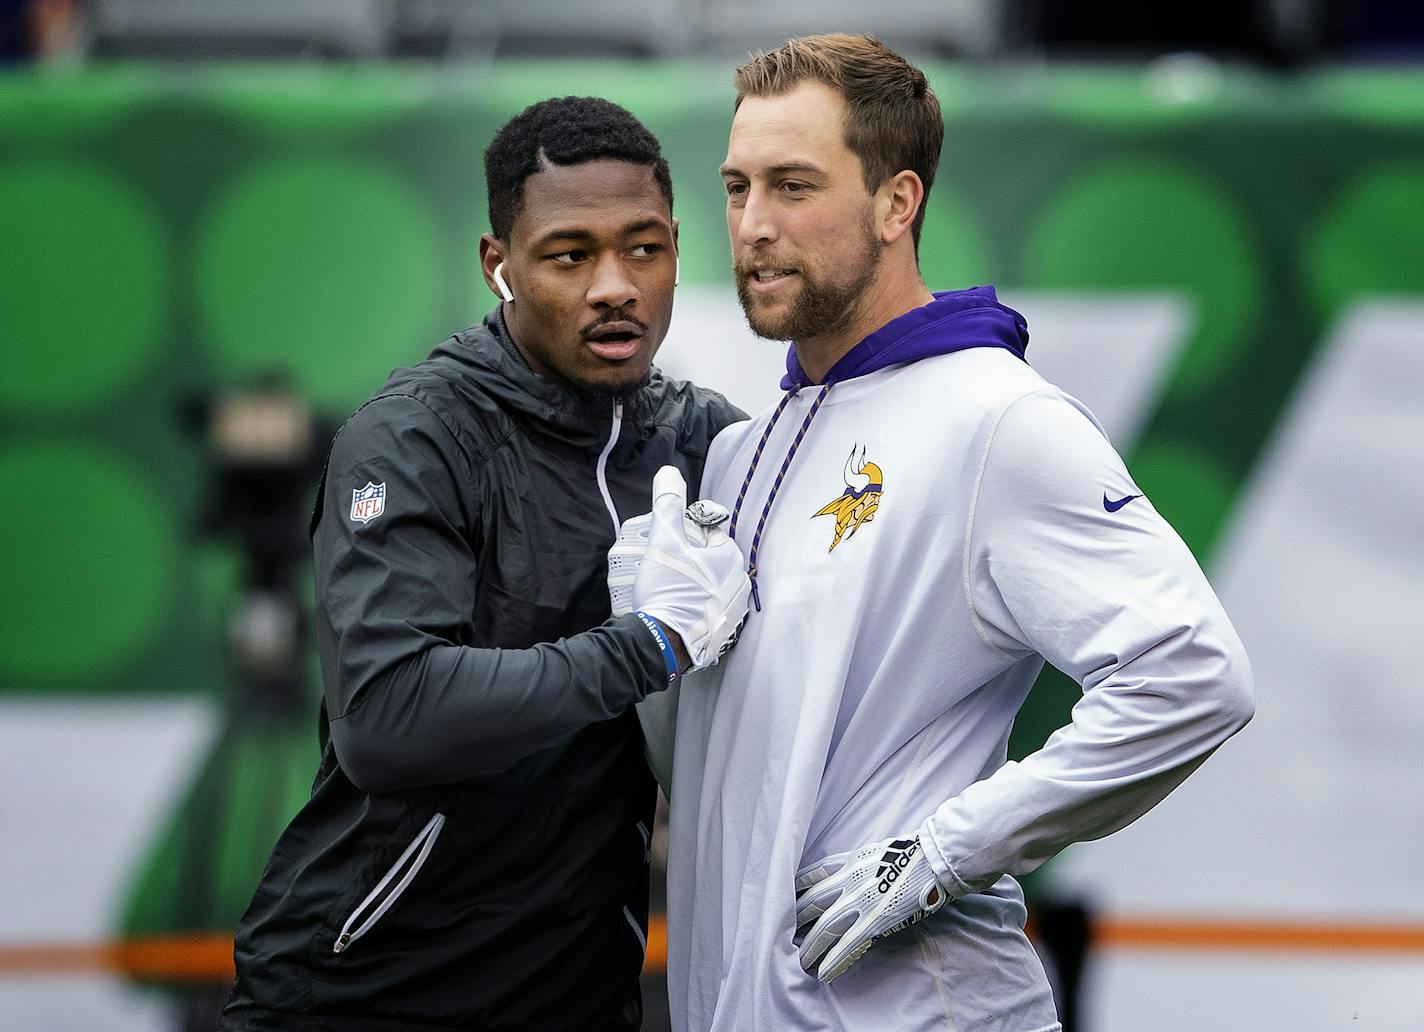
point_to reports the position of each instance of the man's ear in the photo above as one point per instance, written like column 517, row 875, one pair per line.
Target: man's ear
column 492, row 256
column 898, row 202
column 676, row 254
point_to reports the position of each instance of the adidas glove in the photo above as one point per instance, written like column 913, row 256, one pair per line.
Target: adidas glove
column 858, row 898
column 692, row 578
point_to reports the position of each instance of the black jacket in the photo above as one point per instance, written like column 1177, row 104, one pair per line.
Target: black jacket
column 474, row 853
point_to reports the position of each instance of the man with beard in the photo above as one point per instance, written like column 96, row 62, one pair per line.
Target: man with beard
column 925, row 521
column 474, row 852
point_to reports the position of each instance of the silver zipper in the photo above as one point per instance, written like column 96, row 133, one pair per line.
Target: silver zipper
column 603, row 462
column 633, row 924
column 405, row 869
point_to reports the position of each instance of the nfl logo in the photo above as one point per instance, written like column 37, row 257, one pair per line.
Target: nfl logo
column 368, row 502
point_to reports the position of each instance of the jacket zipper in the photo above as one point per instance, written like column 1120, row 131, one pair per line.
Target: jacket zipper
column 603, row 463
column 389, row 888
column 638, row 931
column 628, row 914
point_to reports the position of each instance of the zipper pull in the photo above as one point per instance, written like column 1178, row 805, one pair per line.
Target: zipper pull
column 600, row 467
column 343, row 941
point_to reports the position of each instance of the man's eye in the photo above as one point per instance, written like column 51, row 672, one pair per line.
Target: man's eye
column 795, row 187
column 569, row 257
column 646, row 250
column 736, row 189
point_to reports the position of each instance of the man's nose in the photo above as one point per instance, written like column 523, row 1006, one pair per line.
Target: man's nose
column 611, row 286
column 755, row 224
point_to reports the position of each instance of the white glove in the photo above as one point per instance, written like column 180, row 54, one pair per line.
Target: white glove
column 626, row 555
column 692, row 579
column 624, row 558
column 857, row 898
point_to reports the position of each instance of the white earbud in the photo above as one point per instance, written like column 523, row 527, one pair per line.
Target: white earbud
column 676, row 271
column 504, row 290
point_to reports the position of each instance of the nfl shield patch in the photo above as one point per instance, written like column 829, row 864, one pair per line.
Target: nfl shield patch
column 368, row 502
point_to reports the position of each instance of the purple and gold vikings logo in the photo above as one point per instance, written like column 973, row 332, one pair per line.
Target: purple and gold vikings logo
column 857, row 504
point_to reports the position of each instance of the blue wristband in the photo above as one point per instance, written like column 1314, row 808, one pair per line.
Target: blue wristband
column 664, row 645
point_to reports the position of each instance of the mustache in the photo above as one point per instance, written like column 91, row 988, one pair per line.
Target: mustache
column 748, row 266
column 616, row 316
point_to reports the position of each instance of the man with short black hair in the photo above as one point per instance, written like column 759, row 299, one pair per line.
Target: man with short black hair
column 474, row 853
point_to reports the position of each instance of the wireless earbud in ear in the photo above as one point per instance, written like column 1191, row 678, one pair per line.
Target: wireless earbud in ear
column 676, row 271
column 504, row 290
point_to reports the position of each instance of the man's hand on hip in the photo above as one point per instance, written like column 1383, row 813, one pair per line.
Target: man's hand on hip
column 858, row 898
column 692, row 579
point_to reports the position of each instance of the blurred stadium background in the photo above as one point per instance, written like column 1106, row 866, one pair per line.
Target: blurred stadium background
column 222, row 223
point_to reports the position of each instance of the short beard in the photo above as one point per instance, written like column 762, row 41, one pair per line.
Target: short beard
column 819, row 308
column 604, row 394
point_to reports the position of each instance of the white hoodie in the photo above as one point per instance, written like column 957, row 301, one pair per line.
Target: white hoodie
column 872, row 694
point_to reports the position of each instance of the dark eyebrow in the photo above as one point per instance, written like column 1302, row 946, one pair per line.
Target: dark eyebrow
column 577, row 235
column 786, row 168
column 572, row 234
column 791, row 167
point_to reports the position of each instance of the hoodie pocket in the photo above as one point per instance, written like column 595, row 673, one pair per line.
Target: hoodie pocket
column 389, row 889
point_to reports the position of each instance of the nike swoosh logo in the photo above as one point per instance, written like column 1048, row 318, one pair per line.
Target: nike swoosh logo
column 1115, row 506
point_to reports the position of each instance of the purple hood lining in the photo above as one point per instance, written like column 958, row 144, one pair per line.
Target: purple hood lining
column 955, row 320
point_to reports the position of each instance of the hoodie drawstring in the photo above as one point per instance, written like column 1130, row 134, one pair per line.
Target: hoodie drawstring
column 776, row 484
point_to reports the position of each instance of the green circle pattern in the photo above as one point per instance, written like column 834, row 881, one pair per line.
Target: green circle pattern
column 89, row 551
column 1189, row 486
column 76, row 104
column 84, row 265
column 327, row 270
column 1370, row 241
column 703, row 247
column 952, row 249
column 1145, row 226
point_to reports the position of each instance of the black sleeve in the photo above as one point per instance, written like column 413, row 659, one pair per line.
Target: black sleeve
column 410, row 704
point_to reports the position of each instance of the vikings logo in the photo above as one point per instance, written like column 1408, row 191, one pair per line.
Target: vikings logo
column 857, row 505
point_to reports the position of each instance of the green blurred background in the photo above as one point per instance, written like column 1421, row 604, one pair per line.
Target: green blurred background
column 168, row 232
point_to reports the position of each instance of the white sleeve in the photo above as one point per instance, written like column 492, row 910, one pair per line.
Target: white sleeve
column 1115, row 600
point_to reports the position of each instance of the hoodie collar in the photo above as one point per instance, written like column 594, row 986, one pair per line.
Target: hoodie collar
column 955, row 320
